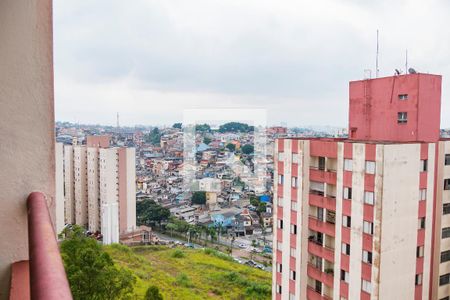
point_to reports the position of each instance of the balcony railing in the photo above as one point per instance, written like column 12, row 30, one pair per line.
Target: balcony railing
column 47, row 277
column 313, row 293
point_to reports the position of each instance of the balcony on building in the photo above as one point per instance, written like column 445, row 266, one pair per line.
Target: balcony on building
column 321, row 245
column 30, row 264
column 322, row 220
column 316, row 290
column 323, row 169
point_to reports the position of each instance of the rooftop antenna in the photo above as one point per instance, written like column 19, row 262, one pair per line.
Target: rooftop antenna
column 406, row 61
column 118, row 121
column 377, row 69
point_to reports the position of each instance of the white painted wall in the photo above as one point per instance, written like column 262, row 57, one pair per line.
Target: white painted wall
column 59, row 191
column 27, row 143
column 399, row 221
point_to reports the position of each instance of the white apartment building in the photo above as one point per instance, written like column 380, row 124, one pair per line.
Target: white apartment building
column 100, row 187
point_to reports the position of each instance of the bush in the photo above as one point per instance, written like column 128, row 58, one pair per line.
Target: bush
column 178, row 254
column 214, row 252
column 183, row 280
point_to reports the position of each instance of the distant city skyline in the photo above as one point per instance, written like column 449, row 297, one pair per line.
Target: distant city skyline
column 153, row 59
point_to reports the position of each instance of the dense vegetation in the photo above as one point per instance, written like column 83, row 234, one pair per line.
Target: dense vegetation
column 190, row 273
column 199, row 197
column 235, row 127
column 154, row 137
column 231, row 147
column 150, row 213
column 202, row 127
column 91, row 271
column 247, row 149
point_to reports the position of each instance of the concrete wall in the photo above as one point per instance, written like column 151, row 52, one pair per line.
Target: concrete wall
column 59, row 179
column 378, row 99
column 80, row 178
column 93, row 190
column 26, row 120
column 399, row 221
column 69, row 190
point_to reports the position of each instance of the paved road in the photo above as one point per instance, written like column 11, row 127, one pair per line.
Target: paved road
column 242, row 254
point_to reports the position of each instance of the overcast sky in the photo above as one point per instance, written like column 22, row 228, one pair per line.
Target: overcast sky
column 150, row 60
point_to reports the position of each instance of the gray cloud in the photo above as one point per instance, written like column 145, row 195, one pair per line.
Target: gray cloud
column 151, row 59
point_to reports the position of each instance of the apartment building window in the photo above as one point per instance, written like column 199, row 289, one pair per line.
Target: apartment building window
column 280, row 201
column 368, row 198
column 445, row 256
column 278, row 289
column 444, row 279
column 370, row 167
column 366, row 286
column 446, row 208
column 421, row 223
column 318, row 286
column 367, row 257
column 423, row 165
column 293, row 229
column 447, row 184
column 345, row 249
column 280, row 156
column 368, row 227
column 422, row 194
column 293, row 252
column 447, row 159
column 348, row 165
column 280, row 178
column 279, row 268
column 280, row 224
column 295, row 158
column 345, row 276
column 294, row 182
column 418, row 279
column 320, row 213
column 445, row 232
column 292, row 275
column 294, row 205
column 346, row 221
column 402, row 117
column 321, row 163
column 347, row 193
column 403, row 97
column 419, row 251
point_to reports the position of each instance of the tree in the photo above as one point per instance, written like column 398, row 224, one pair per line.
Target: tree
column 177, row 125
column 231, row 147
column 202, row 127
column 199, row 197
column 91, row 271
column 235, row 127
column 153, row 293
column 154, row 137
column 247, row 149
column 171, row 227
column 149, row 212
column 206, row 140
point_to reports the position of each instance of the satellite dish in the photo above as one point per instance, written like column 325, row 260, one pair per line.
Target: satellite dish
column 412, row 71
column 398, row 72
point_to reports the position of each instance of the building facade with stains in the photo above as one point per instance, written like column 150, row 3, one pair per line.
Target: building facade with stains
column 366, row 217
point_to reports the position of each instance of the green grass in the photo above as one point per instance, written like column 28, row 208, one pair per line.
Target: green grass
column 191, row 273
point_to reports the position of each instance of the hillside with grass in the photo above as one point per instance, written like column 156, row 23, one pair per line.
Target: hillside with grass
column 182, row 273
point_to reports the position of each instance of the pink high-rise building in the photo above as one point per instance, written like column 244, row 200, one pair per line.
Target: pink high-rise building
column 367, row 217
